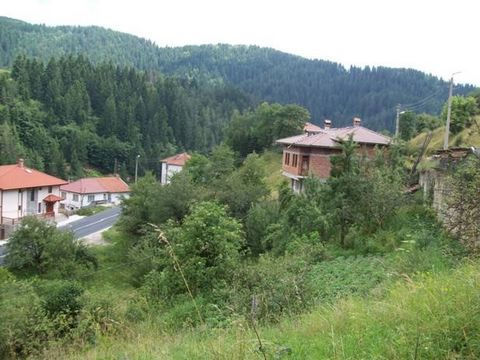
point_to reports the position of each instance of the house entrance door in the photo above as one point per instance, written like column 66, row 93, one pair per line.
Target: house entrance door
column 49, row 207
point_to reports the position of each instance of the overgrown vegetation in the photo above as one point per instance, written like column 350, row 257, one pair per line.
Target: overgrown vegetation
column 225, row 261
column 215, row 258
column 38, row 248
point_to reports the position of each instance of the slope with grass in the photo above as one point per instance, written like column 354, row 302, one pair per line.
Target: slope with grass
column 466, row 138
column 272, row 162
column 430, row 315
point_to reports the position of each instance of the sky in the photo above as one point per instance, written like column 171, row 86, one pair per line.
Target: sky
column 437, row 37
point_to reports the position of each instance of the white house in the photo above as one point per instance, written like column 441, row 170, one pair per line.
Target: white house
column 172, row 165
column 25, row 191
column 88, row 191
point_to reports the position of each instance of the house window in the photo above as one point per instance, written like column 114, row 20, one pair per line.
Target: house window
column 91, row 198
column 50, row 189
column 32, row 195
column 295, row 160
column 64, row 195
column 287, row 158
column 305, row 163
column 39, row 207
column 75, row 197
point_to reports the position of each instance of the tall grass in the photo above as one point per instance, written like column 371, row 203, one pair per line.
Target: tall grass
column 433, row 316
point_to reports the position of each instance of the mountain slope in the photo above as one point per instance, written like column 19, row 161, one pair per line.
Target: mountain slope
column 468, row 137
column 98, row 44
column 326, row 89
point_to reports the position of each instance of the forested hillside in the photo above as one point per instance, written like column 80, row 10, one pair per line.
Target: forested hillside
column 98, row 44
column 68, row 114
column 326, row 89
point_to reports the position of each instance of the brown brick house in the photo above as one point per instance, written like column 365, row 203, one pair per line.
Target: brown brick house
column 309, row 153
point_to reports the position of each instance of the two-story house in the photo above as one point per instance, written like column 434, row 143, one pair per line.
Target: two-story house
column 309, row 153
column 25, row 191
column 172, row 165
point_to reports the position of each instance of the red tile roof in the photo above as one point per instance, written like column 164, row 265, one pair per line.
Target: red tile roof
column 179, row 159
column 331, row 138
column 52, row 198
column 309, row 127
column 18, row 176
column 109, row 184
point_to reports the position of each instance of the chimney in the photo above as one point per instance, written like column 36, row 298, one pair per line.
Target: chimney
column 20, row 163
column 357, row 121
column 327, row 124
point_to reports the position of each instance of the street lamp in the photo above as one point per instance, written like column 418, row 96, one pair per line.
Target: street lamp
column 136, row 167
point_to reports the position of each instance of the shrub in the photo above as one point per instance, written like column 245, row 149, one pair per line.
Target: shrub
column 5, row 276
column 257, row 222
column 38, row 247
column 61, row 297
column 92, row 210
column 279, row 286
column 24, row 326
column 206, row 247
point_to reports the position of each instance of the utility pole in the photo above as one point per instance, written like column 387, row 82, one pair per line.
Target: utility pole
column 449, row 113
column 115, row 168
column 397, row 123
column 136, row 167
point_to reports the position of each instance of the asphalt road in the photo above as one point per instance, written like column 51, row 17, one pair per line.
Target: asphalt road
column 86, row 226
column 95, row 223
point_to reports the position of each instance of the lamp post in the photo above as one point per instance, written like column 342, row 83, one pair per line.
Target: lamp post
column 136, row 167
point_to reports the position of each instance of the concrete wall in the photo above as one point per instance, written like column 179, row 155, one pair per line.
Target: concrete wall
column 86, row 199
column 168, row 171
column 117, row 198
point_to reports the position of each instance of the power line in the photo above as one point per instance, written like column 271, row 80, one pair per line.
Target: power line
column 421, row 101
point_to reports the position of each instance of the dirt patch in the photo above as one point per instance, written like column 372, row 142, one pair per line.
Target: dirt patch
column 95, row 238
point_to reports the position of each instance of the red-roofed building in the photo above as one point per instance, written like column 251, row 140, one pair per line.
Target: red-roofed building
column 309, row 153
column 25, row 191
column 90, row 191
column 172, row 165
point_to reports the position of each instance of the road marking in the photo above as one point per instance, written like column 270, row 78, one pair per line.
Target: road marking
column 96, row 222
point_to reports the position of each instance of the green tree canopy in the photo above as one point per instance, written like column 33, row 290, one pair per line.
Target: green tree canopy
column 463, row 110
column 206, row 246
column 38, row 247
